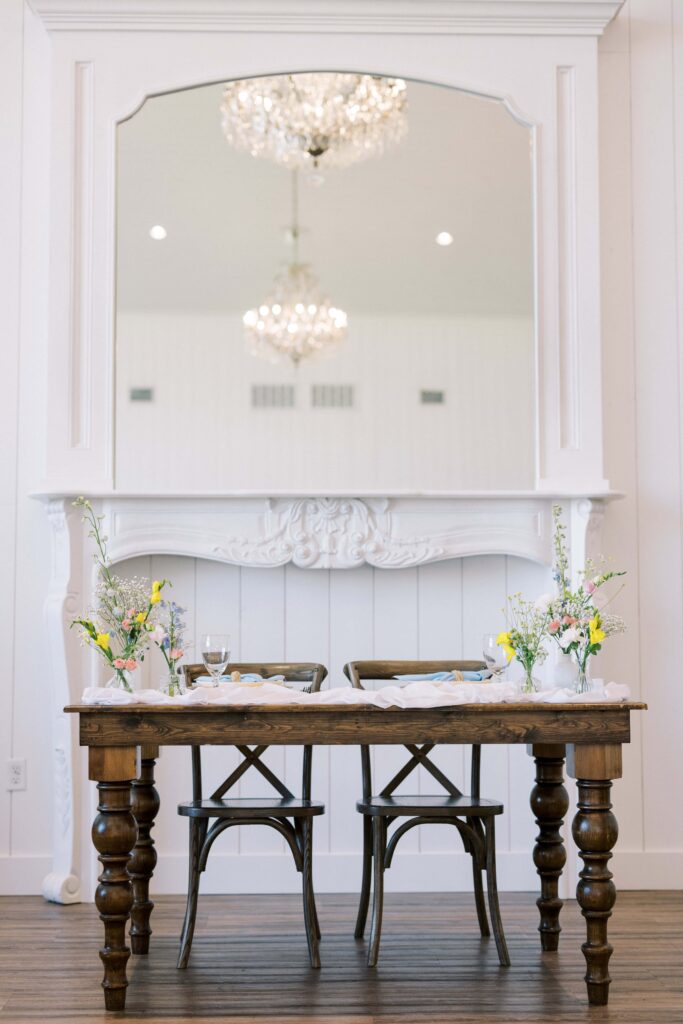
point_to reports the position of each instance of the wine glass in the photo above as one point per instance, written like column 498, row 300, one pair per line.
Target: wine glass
column 494, row 655
column 216, row 654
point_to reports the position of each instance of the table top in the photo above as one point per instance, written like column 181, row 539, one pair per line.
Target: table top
column 630, row 705
column 352, row 724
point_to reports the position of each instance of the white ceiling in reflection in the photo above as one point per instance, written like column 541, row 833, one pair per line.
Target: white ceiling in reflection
column 369, row 230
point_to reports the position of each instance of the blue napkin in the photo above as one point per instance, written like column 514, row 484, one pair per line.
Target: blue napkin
column 447, row 677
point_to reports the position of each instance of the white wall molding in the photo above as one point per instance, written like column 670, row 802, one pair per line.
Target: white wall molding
column 495, row 17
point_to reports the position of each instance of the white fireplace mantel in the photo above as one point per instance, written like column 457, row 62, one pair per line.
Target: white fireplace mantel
column 330, row 532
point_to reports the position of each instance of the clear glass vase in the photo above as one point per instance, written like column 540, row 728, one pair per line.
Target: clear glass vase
column 172, row 683
column 583, row 683
column 529, row 684
column 121, row 680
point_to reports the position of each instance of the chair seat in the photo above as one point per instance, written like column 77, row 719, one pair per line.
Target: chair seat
column 429, row 806
column 251, row 807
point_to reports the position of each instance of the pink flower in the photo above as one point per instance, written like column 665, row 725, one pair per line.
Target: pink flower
column 554, row 625
column 126, row 623
column 568, row 620
column 589, row 587
column 131, row 664
column 176, row 653
column 119, row 663
column 130, row 613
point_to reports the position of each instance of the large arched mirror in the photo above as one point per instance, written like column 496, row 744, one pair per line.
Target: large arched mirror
column 401, row 360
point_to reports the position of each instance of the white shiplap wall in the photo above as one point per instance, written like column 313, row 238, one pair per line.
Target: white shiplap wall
column 200, row 423
column 434, row 611
column 642, row 234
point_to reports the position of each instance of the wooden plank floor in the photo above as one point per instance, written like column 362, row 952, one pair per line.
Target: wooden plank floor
column 249, row 963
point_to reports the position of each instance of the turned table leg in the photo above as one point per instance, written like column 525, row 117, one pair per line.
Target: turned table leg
column 595, row 832
column 549, row 803
column 141, row 865
column 114, row 833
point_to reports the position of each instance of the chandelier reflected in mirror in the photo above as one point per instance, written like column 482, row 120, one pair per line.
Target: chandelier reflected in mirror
column 296, row 321
column 315, row 121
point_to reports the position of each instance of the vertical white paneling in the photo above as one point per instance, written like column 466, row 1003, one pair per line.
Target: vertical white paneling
column 351, row 639
column 174, row 770
column 262, row 638
column 396, row 637
column 484, row 591
column 620, row 660
column 11, row 66
column 658, row 398
column 440, row 636
column 217, row 607
column 307, row 638
column 389, row 435
column 532, row 580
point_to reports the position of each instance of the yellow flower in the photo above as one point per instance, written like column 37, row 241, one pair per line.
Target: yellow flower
column 102, row 640
column 503, row 640
column 155, row 598
column 141, row 617
column 156, row 586
column 595, row 634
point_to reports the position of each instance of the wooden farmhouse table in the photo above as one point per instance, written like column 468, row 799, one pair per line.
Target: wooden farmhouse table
column 124, row 743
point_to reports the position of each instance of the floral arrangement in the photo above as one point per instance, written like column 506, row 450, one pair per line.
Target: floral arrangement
column 524, row 639
column 168, row 635
column 120, row 627
column 575, row 623
column 571, row 618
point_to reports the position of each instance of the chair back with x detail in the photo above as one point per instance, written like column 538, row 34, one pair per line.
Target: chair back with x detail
column 472, row 816
column 289, row 815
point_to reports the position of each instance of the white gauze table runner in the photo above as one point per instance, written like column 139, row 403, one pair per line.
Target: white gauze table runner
column 410, row 695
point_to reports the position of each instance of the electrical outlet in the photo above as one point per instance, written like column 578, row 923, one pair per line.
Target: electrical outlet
column 16, row 773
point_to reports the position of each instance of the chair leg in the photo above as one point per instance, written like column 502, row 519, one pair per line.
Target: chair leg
column 494, row 909
column 477, row 869
column 367, row 878
column 310, row 914
column 196, row 839
column 379, row 833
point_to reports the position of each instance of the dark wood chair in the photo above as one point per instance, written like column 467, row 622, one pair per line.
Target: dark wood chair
column 291, row 817
column 473, row 816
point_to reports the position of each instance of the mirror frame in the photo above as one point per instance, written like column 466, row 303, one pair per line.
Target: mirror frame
column 79, row 50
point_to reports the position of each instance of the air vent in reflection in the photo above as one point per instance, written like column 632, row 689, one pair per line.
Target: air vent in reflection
column 142, row 394
column 272, row 396
column 332, row 396
column 432, row 397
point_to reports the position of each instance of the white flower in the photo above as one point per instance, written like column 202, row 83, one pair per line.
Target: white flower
column 543, row 603
column 158, row 634
column 570, row 636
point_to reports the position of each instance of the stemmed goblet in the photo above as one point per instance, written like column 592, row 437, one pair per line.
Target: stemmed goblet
column 494, row 655
column 216, row 654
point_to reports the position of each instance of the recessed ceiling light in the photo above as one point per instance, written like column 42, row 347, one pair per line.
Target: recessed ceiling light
column 158, row 233
column 444, row 238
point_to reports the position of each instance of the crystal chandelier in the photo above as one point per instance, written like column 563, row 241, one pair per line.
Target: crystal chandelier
column 315, row 120
column 295, row 321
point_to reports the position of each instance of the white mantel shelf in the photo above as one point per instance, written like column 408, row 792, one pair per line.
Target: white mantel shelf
column 332, row 531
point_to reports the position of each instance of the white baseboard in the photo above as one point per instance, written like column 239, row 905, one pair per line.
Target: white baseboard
column 647, row 869
column 23, row 875
column 340, row 872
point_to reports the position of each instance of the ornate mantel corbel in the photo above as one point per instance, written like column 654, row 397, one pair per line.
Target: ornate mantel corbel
column 63, row 885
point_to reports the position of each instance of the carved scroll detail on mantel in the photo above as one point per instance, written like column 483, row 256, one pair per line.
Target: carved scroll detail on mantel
column 330, row 532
